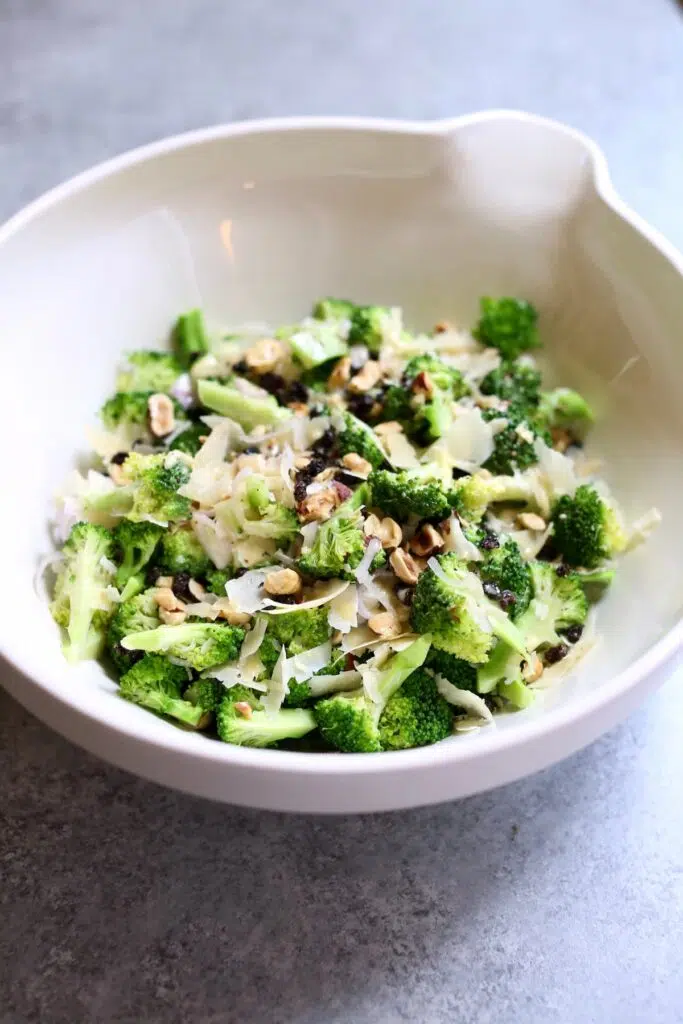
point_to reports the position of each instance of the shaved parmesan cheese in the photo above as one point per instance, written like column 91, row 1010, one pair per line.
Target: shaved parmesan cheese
column 531, row 541
column 469, row 439
column 212, row 538
column 557, row 468
column 362, row 573
column 321, row 685
column 253, row 639
column 308, row 532
column 107, row 565
column 303, row 666
column 399, row 450
column 107, row 443
column 343, row 613
column 642, row 528
column 245, row 592
column 70, row 502
column 464, row 699
column 456, row 541
column 321, row 593
column 526, row 434
column 278, row 687
column 223, row 437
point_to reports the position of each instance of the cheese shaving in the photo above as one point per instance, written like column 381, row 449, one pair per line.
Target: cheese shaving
column 464, row 699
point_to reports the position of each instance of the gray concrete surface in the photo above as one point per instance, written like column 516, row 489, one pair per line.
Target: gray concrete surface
column 559, row 898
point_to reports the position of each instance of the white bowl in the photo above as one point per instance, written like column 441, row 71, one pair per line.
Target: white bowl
column 427, row 216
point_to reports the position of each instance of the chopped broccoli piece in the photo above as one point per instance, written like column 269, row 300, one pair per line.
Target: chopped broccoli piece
column 416, row 716
column 395, row 405
column 349, row 721
column 367, row 327
column 266, row 517
column 359, row 438
column 565, row 409
column 443, row 377
column 423, row 492
column 339, row 544
column 156, row 684
column 333, row 309
column 453, row 608
column 180, row 551
column 246, row 410
column 300, row 630
column 134, row 586
column 258, row 728
column 595, row 582
column 205, row 693
column 301, row 693
column 586, row 529
column 514, row 447
column 201, row 645
column 457, row 671
column 558, row 603
column 189, row 339
column 508, row 325
column 149, row 371
column 315, row 344
column 135, row 544
column 505, row 569
column 79, row 601
column 135, row 615
column 132, row 407
column 515, row 382
column 190, row 440
column 149, row 492
column 472, row 495
column 216, row 580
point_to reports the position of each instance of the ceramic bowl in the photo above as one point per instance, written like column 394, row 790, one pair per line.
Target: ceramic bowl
column 254, row 221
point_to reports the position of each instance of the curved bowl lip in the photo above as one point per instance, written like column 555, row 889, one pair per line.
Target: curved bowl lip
column 526, row 733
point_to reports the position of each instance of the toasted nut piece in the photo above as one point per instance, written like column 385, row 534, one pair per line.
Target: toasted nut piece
column 264, row 355
column 282, row 581
column 173, row 618
column 530, row 521
column 161, row 415
column 357, row 464
column 196, row 589
column 391, row 427
column 442, row 327
column 319, row 506
column 301, row 461
column 225, row 609
column 387, row 530
column 384, row 624
column 492, row 402
column 532, row 670
column 562, row 439
column 167, row 600
column 339, row 377
column 298, row 408
column 366, row 378
column 116, row 473
column 405, row 566
column 325, row 475
column 164, row 581
column 243, row 707
column 423, row 384
column 426, row 541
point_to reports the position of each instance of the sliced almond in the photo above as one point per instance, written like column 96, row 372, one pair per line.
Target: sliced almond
column 390, row 427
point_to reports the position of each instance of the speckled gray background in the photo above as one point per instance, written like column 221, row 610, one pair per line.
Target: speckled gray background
column 558, row 899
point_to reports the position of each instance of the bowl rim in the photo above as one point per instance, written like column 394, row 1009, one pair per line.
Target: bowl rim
column 550, row 722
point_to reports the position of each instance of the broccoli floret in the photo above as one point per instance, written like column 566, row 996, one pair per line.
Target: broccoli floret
column 514, row 447
column 453, row 608
column 517, row 383
column 204, row 693
column 266, row 517
column 149, row 491
column 423, row 492
column 359, row 438
column 216, row 580
column 300, row 631
column 508, row 325
column 189, row 339
column 502, row 675
column 586, row 529
column 443, row 377
column 134, row 586
column 328, row 680
column 339, row 544
column 416, row 716
column 258, row 728
column 155, row 683
column 367, row 327
column 316, row 344
column 135, row 545
column 180, row 551
column 190, row 440
column 79, row 601
column 132, row 407
column 457, row 671
column 247, row 410
column 136, row 615
column 595, row 582
column 472, row 495
column 269, row 652
column 201, row 645
column 558, row 603
column 148, row 371
column 505, row 569
column 564, row 409
column 350, row 721
column 333, row 309
column 395, row 405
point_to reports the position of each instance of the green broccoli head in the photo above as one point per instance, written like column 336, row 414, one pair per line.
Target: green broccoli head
column 559, row 603
column 190, row 440
column 148, row 493
column 508, row 325
column 367, row 326
column 349, row 721
column 201, row 645
column 216, row 580
column 443, row 377
column 423, row 492
column 135, row 545
column 189, row 339
column 333, row 309
column 339, row 544
column 586, row 529
column 457, row 671
column 180, row 551
column 416, row 716
column 502, row 675
column 515, row 382
column 204, row 693
column 564, row 409
column 451, row 605
column 247, row 410
column 514, row 447
column 472, row 495
column 132, row 407
column 148, row 371
column 316, row 344
column 79, row 604
column 324, row 682
column 359, row 438
column 136, row 615
column 241, row 720
column 505, row 572
column 300, row 630
column 395, row 405
column 266, row 517
column 156, row 684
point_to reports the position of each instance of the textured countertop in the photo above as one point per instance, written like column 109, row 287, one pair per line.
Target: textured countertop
column 559, row 898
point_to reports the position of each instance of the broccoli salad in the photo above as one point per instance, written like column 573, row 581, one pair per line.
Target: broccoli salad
column 338, row 535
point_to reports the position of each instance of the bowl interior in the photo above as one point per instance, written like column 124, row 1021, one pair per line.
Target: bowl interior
column 254, row 226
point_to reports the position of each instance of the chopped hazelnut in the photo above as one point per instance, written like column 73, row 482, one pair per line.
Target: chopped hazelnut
column 384, row 624
column 264, row 355
column 405, row 566
column 282, row 581
column 339, row 377
column 161, row 414
column 366, row 378
column 357, row 464
column 387, row 530
column 426, row 541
